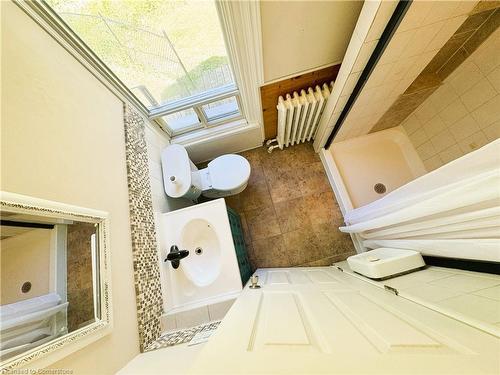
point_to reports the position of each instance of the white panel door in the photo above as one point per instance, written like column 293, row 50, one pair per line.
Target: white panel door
column 321, row 320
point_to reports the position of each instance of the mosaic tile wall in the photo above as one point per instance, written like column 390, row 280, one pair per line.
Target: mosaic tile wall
column 144, row 245
column 79, row 277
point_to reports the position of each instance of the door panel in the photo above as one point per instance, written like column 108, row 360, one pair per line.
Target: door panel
column 321, row 320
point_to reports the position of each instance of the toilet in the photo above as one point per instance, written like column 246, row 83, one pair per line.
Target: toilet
column 224, row 176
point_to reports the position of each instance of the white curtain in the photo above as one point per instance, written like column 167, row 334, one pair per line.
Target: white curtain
column 453, row 211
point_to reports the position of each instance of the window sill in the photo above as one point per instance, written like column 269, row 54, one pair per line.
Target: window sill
column 231, row 128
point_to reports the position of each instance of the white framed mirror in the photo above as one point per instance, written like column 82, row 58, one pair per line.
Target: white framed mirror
column 55, row 280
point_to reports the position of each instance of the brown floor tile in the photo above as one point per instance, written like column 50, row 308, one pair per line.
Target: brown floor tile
column 288, row 211
column 301, row 246
column 331, row 241
column 246, row 229
column 256, row 174
column 322, row 208
column 283, row 184
column 270, row 252
column 255, row 196
column 292, row 214
column 262, row 223
column 312, row 179
column 234, row 201
column 304, row 154
column 254, row 156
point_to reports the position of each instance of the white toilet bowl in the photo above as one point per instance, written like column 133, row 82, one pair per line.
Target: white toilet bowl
column 224, row 176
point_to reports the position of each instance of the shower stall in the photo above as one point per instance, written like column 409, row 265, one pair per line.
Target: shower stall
column 409, row 136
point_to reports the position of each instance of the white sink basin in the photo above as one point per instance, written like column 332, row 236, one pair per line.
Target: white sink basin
column 210, row 272
column 203, row 264
column 385, row 262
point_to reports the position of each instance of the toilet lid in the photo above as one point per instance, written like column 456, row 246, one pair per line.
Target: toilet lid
column 228, row 172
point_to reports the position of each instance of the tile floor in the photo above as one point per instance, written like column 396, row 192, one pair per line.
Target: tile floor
column 288, row 210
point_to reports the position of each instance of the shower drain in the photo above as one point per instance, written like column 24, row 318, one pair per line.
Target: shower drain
column 380, row 188
column 26, row 287
column 198, row 251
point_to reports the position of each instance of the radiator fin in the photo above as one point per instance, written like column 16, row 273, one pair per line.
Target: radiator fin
column 299, row 115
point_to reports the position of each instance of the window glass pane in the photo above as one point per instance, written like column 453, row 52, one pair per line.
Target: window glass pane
column 162, row 50
column 221, row 109
column 182, row 121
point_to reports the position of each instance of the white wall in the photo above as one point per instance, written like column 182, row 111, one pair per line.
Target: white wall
column 299, row 36
column 63, row 140
column 25, row 257
column 464, row 113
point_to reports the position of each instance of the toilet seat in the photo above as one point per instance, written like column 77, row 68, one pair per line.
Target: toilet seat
column 228, row 172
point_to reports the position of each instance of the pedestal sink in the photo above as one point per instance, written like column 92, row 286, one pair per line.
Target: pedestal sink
column 210, row 272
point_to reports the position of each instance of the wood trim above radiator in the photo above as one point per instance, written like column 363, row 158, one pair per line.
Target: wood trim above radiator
column 269, row 93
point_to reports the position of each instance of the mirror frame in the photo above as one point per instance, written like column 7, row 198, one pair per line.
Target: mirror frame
column 61, row 347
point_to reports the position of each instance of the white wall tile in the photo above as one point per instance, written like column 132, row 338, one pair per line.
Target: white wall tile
column 396, row 46
column 488, row 113
column 468, row 103
column 494, row 77
column 475, row 141
column 486, row 56
column 443, row 140
column 433, row 163
column 451, row 153
column 479, row 94
column 411, row 124
column 443, row 97
column 219, row 310
column 492, row 132
column 364, row 55
column 422, row 38
column 167, row 323
column 443, row 10
column 454, row 112
column 426, row 150
column 418, row 137
column 464, row 128
column 448, row 29
column 464, row 77
column 365, row 20
column 416, row 15
column 426, row 111
column 434, row 126
column 191, row 318
column 350, row 83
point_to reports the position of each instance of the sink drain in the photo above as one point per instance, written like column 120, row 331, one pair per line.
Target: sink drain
column 198, row 251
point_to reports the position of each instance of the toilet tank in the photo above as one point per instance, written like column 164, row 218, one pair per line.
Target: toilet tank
column 177, row 171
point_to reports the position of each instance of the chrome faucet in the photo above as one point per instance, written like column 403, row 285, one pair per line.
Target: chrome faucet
column 175, row 255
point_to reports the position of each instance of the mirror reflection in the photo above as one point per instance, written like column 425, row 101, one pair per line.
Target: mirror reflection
column 49, row 279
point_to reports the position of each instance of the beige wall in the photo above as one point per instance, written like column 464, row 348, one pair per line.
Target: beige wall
column 25, row 257
column 62, row 139
column 464, row 113
column 299, row 36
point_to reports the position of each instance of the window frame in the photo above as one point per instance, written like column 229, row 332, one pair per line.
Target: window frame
column 196, row 102
column 51, row 21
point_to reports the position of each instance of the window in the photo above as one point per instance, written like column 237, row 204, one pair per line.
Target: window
column 170, row 54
